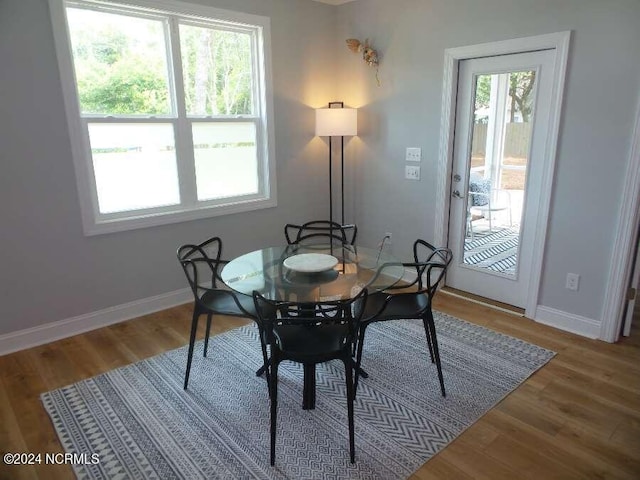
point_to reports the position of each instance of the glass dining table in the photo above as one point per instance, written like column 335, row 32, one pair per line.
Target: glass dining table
column 312, row 274
column 272, row 273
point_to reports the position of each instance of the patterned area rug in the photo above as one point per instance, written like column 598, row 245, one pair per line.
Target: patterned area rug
column 497, row 250
column 142, row 424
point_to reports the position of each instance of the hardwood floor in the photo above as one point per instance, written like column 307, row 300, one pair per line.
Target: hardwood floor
column 576, row 418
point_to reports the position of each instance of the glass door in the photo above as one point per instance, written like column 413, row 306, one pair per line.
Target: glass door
column 500, row 130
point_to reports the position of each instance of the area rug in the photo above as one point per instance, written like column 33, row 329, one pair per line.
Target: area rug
column 137, row 422
column 496, row 251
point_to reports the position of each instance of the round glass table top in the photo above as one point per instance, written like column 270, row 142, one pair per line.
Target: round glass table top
column 266, row 271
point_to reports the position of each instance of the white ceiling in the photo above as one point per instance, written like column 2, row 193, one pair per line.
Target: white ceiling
column 334, row 2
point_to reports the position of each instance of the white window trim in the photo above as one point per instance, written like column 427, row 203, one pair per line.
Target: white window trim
column 95, row 223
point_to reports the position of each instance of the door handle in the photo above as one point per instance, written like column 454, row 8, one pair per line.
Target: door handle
column 456, row 193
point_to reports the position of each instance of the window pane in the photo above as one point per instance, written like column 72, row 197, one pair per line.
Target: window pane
column 226, row 159
column 120, row 63
column 513, row 179
column 480, row 121
column 134, row 165
column 217, row 71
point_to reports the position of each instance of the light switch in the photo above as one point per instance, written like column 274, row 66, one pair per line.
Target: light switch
column 413, row 154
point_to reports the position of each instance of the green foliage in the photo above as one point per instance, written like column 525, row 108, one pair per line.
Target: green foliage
column 115, row 71
column 121, row 66
column 217, row 71
column 483, row 91
column 128, row 86
column 520, row 88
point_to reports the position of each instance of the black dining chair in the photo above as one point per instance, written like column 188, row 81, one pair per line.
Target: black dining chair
column 324, row 231
column 299, row 335
column 430, row 265
column 201, row 264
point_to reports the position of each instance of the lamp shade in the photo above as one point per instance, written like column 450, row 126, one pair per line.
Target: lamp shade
column 336, row 122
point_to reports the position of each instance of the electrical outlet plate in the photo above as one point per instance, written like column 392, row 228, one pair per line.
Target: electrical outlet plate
column 573, row 281
column 413, row 154
column 411, row 172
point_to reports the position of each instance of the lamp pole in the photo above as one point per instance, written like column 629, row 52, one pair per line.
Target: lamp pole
column 330, row 183
column 337, row 105
column 342, row 175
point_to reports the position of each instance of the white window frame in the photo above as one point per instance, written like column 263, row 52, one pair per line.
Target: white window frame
column 189, row 207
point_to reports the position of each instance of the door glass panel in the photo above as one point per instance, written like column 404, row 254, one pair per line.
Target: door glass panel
column 498, row 161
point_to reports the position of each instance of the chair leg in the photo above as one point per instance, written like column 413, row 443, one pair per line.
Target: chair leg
column 436, row 352
column 359, row 370
column 265, row 365
column 427, row 333
column 192, row 341
column 348, row 370
column 273, row 384
column 265, row 353
column 363, row 328
column 206, row 336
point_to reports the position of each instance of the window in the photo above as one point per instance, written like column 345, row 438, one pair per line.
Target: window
column 169, row 110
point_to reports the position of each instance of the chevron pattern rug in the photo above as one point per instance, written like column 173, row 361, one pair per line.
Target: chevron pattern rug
column 143, row 425
column 496, row 251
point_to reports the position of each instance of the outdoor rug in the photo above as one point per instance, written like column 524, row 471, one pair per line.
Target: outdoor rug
column 142, row 424
column 496, row 251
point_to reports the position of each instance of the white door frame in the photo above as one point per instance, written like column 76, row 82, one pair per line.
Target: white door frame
column 623, row 246
column 452, row 56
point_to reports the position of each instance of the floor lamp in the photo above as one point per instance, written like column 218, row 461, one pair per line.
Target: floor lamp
column 336, row 121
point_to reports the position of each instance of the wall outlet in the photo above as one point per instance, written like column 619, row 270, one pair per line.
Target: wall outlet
column 413, row 154
column 573, row 281
column 412, row 173
column 388, row 236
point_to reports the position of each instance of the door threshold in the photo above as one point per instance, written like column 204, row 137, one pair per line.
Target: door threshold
column 487, row 302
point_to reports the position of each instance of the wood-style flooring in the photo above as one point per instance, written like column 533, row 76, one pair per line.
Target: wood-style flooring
column 576, row 418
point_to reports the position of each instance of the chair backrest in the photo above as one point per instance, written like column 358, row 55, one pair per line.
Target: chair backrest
column 320, row 231
column 431, row 265
column 200, row 264
column 312, row 315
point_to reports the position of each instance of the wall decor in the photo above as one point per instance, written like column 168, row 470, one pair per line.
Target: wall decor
column 369, row 54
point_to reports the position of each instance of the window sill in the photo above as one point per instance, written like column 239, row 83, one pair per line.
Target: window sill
column 92, row 227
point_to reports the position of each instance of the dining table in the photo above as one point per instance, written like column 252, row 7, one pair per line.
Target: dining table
column 312, row 274
column 271, row 272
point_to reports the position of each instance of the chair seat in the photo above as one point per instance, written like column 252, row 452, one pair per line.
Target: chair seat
column 484, row 209
column 222, row 302
column 399, row 307
column 311, row 342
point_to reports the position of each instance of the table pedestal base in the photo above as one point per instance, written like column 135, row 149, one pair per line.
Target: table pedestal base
column 309, row 388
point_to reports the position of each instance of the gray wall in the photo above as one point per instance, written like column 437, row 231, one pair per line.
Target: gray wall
column 50, row 270
column 601, row 100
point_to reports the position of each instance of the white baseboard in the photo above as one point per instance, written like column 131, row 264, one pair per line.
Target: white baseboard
column 587, row 327
column 31, row 337
column 484, row 304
